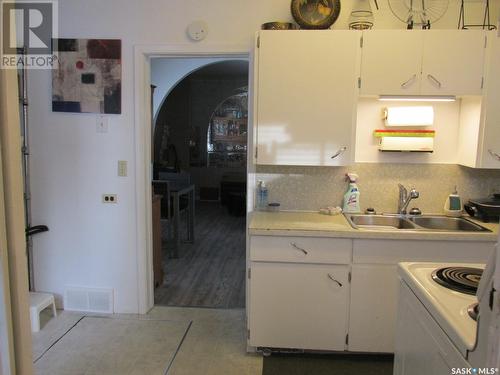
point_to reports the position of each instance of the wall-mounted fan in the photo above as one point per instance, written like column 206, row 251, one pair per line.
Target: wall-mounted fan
column 418, row 12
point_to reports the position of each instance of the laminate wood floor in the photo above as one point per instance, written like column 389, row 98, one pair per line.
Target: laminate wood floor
column 210, row 272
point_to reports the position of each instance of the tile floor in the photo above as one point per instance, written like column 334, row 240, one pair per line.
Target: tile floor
column 188, row 341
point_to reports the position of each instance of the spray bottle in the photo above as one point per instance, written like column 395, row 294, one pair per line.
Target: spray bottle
column 351, row 197
column 262, row 195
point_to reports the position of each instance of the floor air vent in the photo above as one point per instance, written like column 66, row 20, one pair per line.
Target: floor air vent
column 99, row 300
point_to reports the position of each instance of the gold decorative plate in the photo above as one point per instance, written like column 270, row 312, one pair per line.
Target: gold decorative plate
column 315, row 14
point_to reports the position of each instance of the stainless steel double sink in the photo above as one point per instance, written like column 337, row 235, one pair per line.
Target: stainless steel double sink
column 413, row 223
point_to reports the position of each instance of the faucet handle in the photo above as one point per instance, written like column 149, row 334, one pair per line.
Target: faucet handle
column 415, row 211
column 414, row 193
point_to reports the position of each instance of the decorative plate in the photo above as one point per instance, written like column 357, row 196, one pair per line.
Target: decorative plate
column 315, row 14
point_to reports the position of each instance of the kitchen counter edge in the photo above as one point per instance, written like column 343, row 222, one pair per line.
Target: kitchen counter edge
column 313, row 224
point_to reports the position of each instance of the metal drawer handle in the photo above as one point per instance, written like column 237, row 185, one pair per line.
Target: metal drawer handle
column 434, row 79
column 339, row 152
column 494, row 154
column 410, row 81
column 293, row 244
column 334, row 279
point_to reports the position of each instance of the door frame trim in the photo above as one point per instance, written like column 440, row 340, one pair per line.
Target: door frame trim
column 142, row 134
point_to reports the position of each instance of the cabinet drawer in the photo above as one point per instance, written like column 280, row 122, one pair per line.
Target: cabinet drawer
column 395, row 251
column 300, row 249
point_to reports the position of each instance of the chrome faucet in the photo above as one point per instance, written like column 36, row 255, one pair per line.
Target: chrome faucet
column 405, row 198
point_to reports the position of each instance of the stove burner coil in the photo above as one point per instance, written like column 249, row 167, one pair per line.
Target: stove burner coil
column 460, row 279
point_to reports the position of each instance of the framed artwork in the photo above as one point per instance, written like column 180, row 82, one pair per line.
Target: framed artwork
column 88, row 76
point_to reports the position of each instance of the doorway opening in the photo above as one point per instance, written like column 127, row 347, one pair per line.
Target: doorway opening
column 199, row 160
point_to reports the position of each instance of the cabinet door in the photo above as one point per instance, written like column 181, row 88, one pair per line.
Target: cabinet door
column 453, row 62
column 298, row 306
column 490, row 136
column 373, row 306
column 391, row 62
column 307, row 96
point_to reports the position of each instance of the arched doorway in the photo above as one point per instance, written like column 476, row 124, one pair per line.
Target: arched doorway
column 200, row 136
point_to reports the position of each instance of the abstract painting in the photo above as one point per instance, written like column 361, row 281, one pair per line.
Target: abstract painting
column 88, row 76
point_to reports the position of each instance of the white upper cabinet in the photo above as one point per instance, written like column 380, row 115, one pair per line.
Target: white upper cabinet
column 453, row 62
column 306, row 96
column 423, row 62
column 479, row 138
column 391, row 62
column 490, row 132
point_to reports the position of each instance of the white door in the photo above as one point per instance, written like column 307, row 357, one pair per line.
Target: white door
column 391, row 62
column 306, row 97
column 453, row 62
column 373, row 308
column 490, row 146
column 300, row 306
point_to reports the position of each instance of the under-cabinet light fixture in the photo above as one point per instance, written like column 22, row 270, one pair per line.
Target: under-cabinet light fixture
column 418, row 98
column 409, row 116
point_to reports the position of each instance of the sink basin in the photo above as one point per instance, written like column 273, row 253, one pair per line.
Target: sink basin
column 447, row 223
column 379, row 222
column 414, row 223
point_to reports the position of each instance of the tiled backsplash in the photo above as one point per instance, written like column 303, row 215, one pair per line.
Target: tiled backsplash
column 309, row 188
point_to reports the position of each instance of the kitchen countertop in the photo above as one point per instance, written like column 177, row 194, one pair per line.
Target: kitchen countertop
column 313, row 224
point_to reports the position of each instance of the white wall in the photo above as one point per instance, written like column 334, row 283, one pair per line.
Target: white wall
column 166, row 73
column 91, row 244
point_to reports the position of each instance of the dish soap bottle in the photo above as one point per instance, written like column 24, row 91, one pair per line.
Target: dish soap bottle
column 351, row 197
column 453, row 205
column 262, row 196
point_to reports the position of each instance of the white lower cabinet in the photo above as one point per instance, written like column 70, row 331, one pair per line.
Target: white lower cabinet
column 374, row 283
column 422, row 347
column 373, row 307
column 302, row 306
column 309, row 293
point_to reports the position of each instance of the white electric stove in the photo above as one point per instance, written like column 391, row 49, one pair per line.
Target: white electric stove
column 449, row 308
column 448, row 319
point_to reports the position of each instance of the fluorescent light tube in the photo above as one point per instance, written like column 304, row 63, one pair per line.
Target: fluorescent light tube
column 417, row 98
column 409, row 116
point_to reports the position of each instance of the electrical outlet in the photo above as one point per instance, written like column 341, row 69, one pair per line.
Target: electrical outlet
column 122, row 168
column 109, row 198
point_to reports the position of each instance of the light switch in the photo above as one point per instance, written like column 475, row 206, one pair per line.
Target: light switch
column 122, row 168
column 102, row 124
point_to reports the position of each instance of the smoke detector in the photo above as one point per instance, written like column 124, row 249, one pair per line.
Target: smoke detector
column 197, row 30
